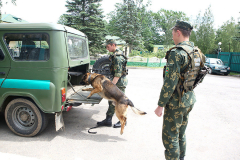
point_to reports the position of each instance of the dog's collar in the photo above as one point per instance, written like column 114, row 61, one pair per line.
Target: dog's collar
column 89, row 79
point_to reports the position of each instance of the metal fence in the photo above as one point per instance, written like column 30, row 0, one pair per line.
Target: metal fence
column 231, row 59
column 142, row 62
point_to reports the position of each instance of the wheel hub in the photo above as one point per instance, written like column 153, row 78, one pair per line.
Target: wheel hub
column 25, row 116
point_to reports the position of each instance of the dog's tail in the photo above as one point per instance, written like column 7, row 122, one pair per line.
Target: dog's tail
column 135, row 110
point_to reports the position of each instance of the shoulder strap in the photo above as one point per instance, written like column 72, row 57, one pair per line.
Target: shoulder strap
column 123, row 56
column 168, row 52
column 185, row 48
column 188, row 50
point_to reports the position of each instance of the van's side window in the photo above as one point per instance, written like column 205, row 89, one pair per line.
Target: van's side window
column 28, row 47
column 1, row 55
column 77, row 48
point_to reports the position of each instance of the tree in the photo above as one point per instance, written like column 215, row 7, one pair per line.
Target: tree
column 164, row 21
column 125, row 22
column 62, row 20
column 13, row 1
column 226, row 34
column 86, row 16
column 154, row 27
column 150, row 33
column 204, row 34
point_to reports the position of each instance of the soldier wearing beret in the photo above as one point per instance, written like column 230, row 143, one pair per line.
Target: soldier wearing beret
column 176, row 106
column 118, row 71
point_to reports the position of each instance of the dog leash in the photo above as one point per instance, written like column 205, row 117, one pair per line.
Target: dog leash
column 93, row 128
column 75, row 91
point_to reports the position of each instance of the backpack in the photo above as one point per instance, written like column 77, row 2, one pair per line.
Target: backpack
column 195, row 71
column 124, row 66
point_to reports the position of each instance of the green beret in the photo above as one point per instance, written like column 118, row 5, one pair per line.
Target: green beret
column 183, row 25
column 110, row 41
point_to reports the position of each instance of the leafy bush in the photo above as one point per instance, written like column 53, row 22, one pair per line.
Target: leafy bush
column 135, row 53
column 146, row 54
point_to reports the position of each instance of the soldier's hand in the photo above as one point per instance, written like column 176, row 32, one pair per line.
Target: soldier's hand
column 158, row 111
column 115, row 80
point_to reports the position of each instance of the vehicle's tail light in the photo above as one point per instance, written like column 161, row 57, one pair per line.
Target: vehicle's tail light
column 63, row 94
column 69, row 108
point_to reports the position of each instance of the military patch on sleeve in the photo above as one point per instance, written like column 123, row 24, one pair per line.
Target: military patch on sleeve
column 166, row 71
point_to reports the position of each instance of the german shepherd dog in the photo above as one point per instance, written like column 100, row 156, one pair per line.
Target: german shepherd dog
column 106, row 89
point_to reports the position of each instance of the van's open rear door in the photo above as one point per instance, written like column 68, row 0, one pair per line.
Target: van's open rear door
column 77, row 96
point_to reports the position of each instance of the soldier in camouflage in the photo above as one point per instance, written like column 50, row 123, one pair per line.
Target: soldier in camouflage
column 118, row 71
column 176, row 107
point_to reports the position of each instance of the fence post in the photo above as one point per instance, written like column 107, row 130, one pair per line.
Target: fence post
column 229, row 59
column 147, row 61
column 160, row 62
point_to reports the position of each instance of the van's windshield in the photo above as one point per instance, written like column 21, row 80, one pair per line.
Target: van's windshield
column 28, row 47
column 77, row 48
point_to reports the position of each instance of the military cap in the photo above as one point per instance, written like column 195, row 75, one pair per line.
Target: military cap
column 183, row 25
column 110, row 41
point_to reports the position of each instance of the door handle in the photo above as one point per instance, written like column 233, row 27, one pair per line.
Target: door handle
column 2, row 73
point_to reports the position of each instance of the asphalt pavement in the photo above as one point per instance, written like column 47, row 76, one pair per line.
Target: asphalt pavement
column 213, row 131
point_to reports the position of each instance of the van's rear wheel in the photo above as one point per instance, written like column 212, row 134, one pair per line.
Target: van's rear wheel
column 24, row 118
column 102, row 66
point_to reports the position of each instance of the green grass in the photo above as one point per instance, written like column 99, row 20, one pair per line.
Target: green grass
column 234, row 73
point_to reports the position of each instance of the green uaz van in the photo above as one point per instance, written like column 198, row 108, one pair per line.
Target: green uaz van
column 39, row 62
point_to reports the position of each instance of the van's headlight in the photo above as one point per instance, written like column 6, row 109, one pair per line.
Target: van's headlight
column 216, row 68
column 228, row 68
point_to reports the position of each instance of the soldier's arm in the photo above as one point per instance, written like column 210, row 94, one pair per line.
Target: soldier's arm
column 115, row 80
column 171, row 79
column 117, row 69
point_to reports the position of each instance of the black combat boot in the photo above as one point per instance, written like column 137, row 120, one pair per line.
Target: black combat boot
column 118, row 124
column 181, row 158
column 106, row 122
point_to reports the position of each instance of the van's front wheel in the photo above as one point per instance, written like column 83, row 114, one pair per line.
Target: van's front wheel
column 24, row 118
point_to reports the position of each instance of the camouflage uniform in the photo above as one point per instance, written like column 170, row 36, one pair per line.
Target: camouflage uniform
column 176, row 113
column 117, row 70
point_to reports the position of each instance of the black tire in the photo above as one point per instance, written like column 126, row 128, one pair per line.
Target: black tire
column 102, row 66
column 24, row 118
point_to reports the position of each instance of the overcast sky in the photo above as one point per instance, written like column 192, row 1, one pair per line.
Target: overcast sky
column 50, row 10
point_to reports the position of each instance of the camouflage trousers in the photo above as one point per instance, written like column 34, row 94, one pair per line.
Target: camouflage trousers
column 111, row 108
column 173, row 132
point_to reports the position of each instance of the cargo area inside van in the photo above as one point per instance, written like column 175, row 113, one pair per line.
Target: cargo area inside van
column 75, row 95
